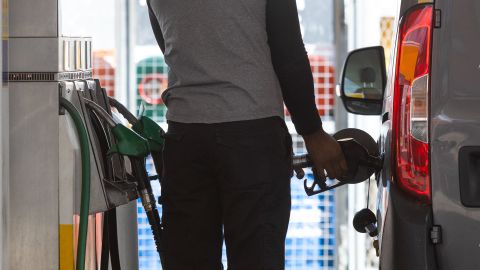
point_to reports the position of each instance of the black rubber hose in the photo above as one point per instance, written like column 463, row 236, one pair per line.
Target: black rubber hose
column 105, row 244
column 113, row 239
column 148, row 200
column 123, row 110
column 158, row 163
column 110, row 241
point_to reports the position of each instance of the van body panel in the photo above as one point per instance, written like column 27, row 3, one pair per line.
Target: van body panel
column 455, row 123
column 404, row 223
column 406, row 235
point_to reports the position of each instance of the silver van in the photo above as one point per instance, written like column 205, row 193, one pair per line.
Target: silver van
column 428, row 204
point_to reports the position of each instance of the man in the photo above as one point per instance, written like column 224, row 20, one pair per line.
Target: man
column 227, row 168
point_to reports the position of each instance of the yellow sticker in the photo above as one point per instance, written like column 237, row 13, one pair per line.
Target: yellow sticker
column 4, row 19
column 66, row 247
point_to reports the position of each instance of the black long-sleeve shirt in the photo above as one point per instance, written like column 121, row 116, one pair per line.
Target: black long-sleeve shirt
column 289, row 59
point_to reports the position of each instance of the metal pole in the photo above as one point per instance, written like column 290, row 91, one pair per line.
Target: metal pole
column 341, row 122
column 130, row 54
column 126, row 214
column 4, row 139
column 128, row 235
column 341, row 50
column 121, row 58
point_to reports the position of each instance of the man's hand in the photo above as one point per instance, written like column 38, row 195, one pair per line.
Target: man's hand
column 326, row 154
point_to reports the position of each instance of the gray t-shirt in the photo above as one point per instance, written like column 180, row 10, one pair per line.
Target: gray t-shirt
column 220, row 67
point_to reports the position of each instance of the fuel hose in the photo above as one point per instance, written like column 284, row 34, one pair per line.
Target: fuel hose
column 148, row 202
column 85, row 193
column 123, row 110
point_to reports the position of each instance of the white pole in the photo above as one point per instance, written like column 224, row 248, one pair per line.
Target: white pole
column 4, row 146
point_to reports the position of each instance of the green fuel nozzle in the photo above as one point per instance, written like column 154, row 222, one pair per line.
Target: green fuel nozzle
column 154, row 134
column 129, row 143
column 148, row 129
column 151, row 131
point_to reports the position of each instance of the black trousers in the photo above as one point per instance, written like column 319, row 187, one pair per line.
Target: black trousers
column 227, row 180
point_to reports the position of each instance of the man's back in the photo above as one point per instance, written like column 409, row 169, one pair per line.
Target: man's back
column 227, row 152
column 220, row 63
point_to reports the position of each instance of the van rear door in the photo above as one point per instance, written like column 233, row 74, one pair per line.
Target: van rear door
column 455, row 133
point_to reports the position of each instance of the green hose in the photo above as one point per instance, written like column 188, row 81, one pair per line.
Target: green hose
column 85, row 197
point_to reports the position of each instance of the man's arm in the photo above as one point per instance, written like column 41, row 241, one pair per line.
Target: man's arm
column 291, row 64
column 156, row 27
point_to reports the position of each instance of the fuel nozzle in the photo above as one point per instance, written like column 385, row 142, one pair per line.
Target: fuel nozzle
column 361, row 165
column 154, row 135
column 361, row 154
column 148, row 129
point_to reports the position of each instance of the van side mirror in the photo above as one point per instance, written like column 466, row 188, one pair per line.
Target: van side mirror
column 363, row 81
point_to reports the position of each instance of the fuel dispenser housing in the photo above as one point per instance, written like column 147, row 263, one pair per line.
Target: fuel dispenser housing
column 107, row 191
column 43, row 184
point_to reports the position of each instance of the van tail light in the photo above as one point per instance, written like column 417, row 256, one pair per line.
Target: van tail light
column 411, row 103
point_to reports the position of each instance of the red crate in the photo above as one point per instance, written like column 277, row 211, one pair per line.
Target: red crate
column 104, row 70
column 324, row 84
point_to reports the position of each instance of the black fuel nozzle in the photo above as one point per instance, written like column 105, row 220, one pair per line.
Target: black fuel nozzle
column 365, row 221
column 361, row 165
column 361, row 155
